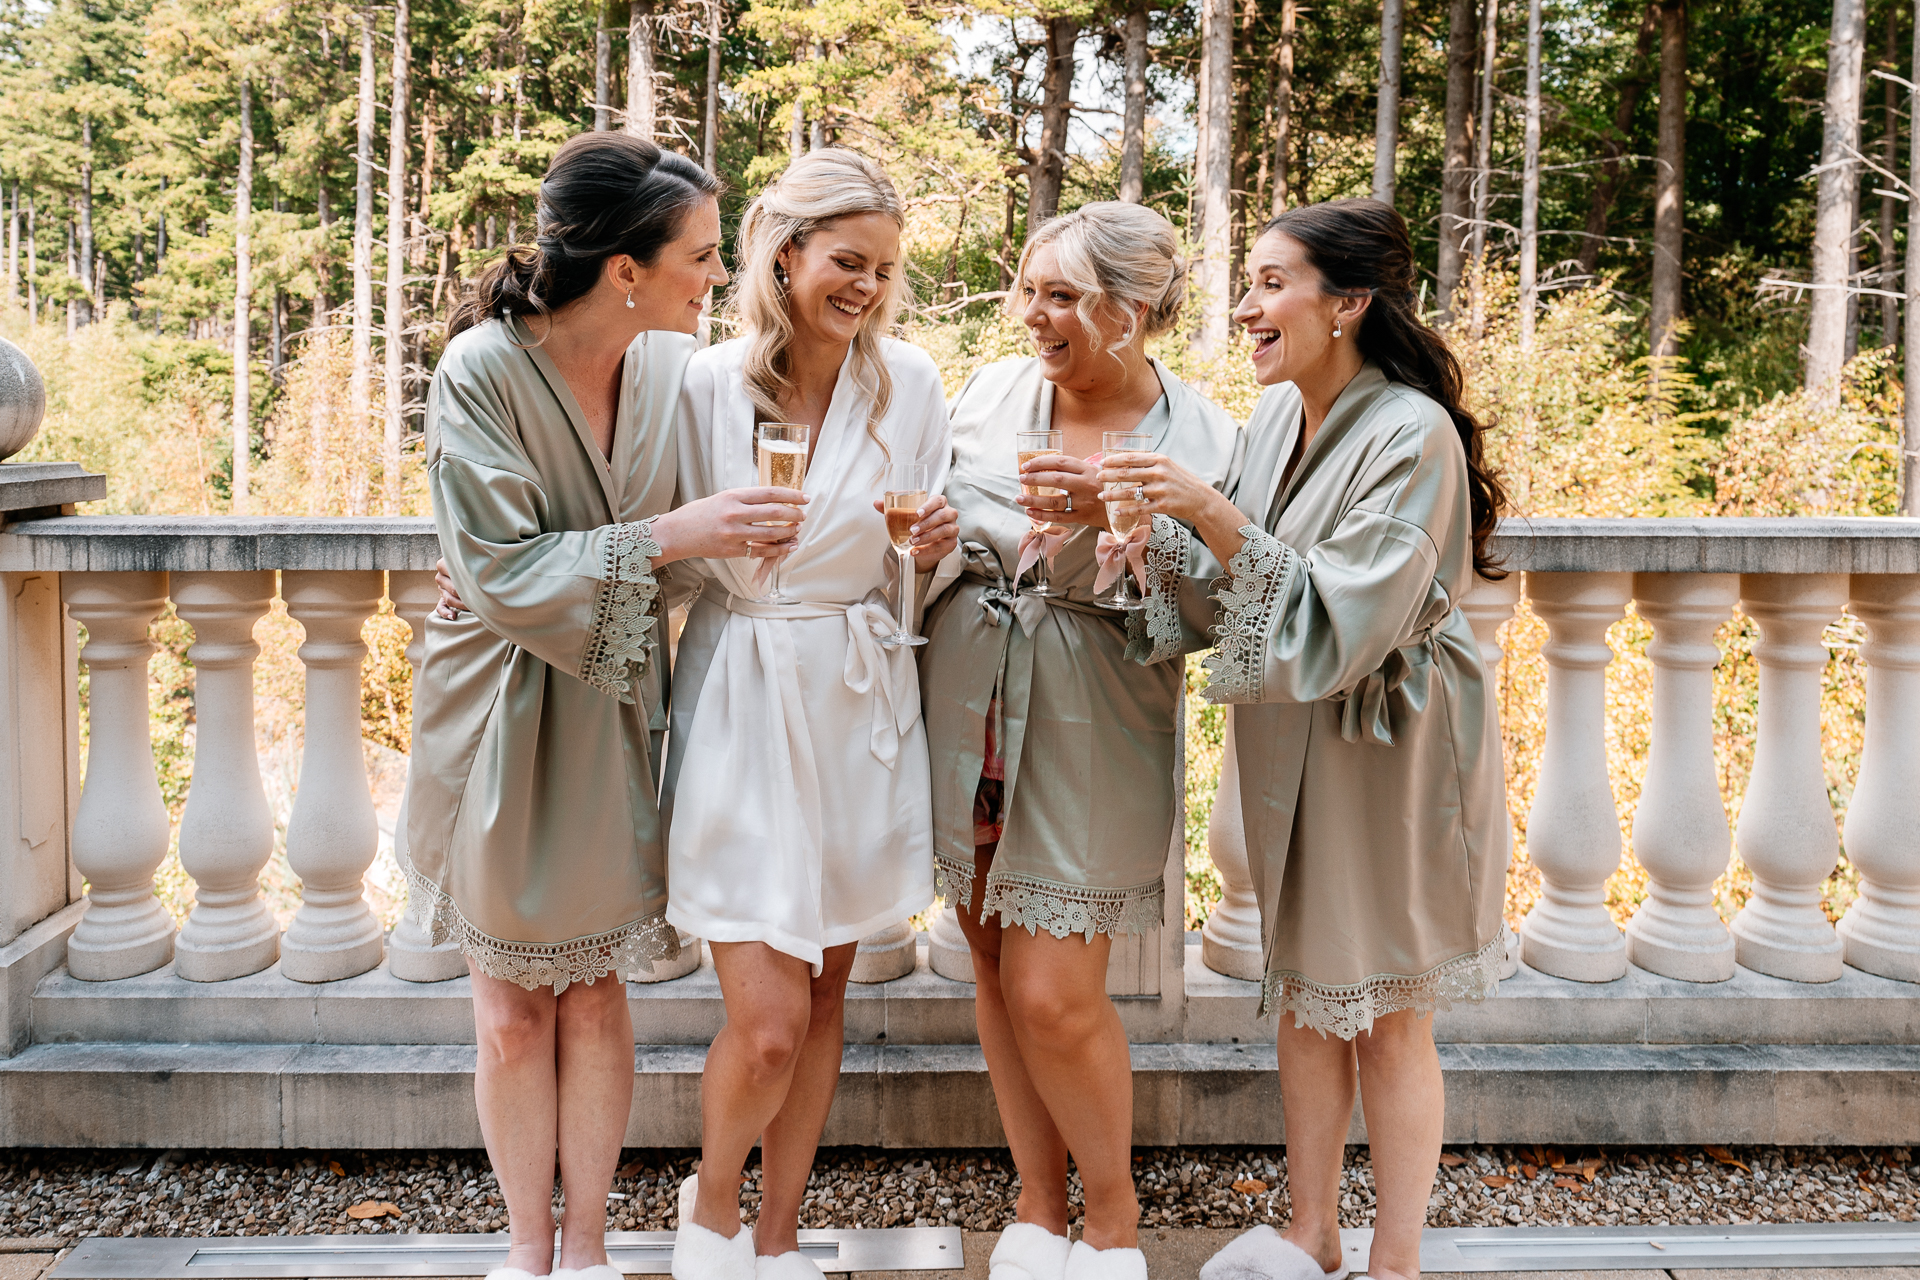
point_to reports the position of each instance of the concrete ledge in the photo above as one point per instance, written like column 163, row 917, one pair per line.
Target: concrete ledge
column 26, row 486
column 24, row 963
column 421, row 1096
column 1721, row 544
column 124, row 544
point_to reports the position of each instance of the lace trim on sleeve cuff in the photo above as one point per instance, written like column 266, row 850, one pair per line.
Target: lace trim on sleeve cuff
column 620, row 641
column 1153, row 633
column 1249, row 597
column 1034, row 904
column 1347, row 1011
column 532, row 965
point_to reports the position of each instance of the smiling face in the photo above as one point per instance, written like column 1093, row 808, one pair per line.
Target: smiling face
column 1286, row 313
column 841, row 276
column 1071, row 351
column 669, row 294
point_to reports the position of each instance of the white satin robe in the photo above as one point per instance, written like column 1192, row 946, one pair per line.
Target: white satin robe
column 796, row 787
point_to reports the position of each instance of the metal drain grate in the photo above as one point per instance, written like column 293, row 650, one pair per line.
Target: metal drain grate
column 315, row 1257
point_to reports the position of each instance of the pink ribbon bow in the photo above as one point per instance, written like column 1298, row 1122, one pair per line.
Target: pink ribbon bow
column 1116, row 553
column 1036, row 542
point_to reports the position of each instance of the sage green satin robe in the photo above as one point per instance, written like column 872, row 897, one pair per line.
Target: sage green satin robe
column 533, row 826
column 1371, row 780
column 1091, row 796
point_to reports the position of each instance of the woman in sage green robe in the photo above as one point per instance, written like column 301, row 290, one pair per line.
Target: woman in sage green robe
column 1370, row 776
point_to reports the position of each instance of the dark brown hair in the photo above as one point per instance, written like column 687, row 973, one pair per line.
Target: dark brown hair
column 604, row 194
column 1361, row 248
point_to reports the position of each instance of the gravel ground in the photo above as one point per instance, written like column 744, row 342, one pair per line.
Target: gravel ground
column 71, row 1194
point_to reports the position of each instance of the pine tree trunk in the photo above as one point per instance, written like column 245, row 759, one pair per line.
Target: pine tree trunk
column 1910, row 454
column 1614, row 146
column 710, row 133
column 1669, row 180
column 86, row 217
column 33, row 266
column 360, row 378
column 243, row 307
column 1483, row 153
column 640, row 114
column 1283, row 104
column 1133, row 128
column 1215, row 175
column 1242, row 162
column 13, row 249
column 1889, row 157
column 1835, row 203
column 1530, row 186
column 395, row 312
column 1056, row 109
column 1456, row 173
column 817, row 127
column 1386, row 116
column 602, row 65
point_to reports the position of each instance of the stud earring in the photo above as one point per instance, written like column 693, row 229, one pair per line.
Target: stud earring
column 629, row 299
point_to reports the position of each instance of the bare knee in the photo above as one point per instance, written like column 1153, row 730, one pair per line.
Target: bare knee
column 515, row 1030
column 1397, row 1039
column 593, row 1011
column 772, row 1041
column 1037, row 1000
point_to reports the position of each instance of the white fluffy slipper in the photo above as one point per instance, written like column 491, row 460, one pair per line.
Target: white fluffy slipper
column 1028, row 1251
column 512, row 1273
column 1261, row 1254
column 791, row 1265
column 603, row 1271
column 700, row 1254
column 1084, row 1262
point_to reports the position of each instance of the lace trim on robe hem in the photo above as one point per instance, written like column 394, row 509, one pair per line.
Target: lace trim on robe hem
column 953, row 880
column 619, row 644
column 1034, row 904
column 532, row 965
column 1248, row 596
column 1153, row 633
column 1347, row 1011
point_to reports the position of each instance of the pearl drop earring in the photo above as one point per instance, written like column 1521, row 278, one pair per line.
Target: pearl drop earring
column 1336, row 328
column 629, row 299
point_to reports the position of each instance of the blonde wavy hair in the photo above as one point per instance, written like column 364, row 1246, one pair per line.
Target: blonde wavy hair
column 1113, row 255
column 816, row 190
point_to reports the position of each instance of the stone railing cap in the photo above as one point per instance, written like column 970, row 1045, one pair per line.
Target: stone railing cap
column 124, row 544
column 25, row 486
column 1716, row 544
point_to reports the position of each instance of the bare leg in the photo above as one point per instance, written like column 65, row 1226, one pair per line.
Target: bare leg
column 1405, row 1102
column 749, row 1068
column 1075, row 1051
column 595, row 1042
column 793, row 1135
column 514, row 1086
column 1039, row 1152
column 1316, row 1087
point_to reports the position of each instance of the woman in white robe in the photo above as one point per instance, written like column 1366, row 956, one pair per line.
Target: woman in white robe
column 796, row 787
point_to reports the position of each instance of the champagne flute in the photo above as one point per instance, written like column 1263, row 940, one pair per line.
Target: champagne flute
column 1029, row 445
column 781, row 454
column 1126, row 508
column 906, row 494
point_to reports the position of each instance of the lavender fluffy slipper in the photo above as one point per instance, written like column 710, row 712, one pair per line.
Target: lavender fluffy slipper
column 1261, row 1254
column 1028, row 1251
column 1084, row 1262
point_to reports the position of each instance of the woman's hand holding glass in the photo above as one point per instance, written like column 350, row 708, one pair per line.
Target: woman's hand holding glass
column 756, row 523
column 1079, row 504
column 1169, row 489
column 934, row 535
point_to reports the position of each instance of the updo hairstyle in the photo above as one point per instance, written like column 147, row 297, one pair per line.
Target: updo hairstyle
column 1115, row 255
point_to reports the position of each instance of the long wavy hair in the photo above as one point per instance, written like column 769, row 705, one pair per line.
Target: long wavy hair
column 604, row 194
column 1361, row 248
column 816, row 190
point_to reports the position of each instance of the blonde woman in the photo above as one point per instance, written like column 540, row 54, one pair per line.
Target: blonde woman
column 797, row 772
column 1054, row 789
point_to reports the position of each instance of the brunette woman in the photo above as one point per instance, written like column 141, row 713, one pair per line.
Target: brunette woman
column 533, row 835
column 1055, row 793
column 1369, row 770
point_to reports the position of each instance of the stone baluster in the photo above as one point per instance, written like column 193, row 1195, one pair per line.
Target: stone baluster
column 1573, row 829
column 1786, row 831
column 1488, row 606
column 886, row 955
column 411, row 955
column 226, row 831
column 120, row 832
column 947, row 951
column 1881, row 930
column 1680, row 832
column 1230, row 940
column 333, row 833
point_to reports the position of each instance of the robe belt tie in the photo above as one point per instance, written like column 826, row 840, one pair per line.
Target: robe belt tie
column 888, row 675
column 1377, row 709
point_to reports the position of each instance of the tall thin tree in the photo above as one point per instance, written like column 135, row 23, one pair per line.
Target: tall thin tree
column 1669, row 180
column 1283, row 103
column 1910, row 452
column 1386, row 113
column 710, row 136
column 1483, row 151
column 13, row 249
column 1056, row 112
column 640, row 68
column 85, row 308
column 1835, row 203
column 1530, row 186
column 1889, row 149
column 1133, row 128
column 602, row 67
column 1456, row 169
column 395, row 312
column 243, row 306
column 1215, row 176
column 360, row 376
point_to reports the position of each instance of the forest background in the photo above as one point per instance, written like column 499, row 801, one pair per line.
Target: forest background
column 1667, row 239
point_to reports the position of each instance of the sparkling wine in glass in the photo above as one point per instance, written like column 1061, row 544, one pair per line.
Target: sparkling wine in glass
column 1126, row 509
column 1029, row 445
column 781, row 454
column 906, row 493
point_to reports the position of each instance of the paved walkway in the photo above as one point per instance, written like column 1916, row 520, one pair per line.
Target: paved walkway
column 1172, row 1254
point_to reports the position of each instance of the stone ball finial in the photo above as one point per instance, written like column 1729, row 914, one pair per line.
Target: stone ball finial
column 23, row 400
